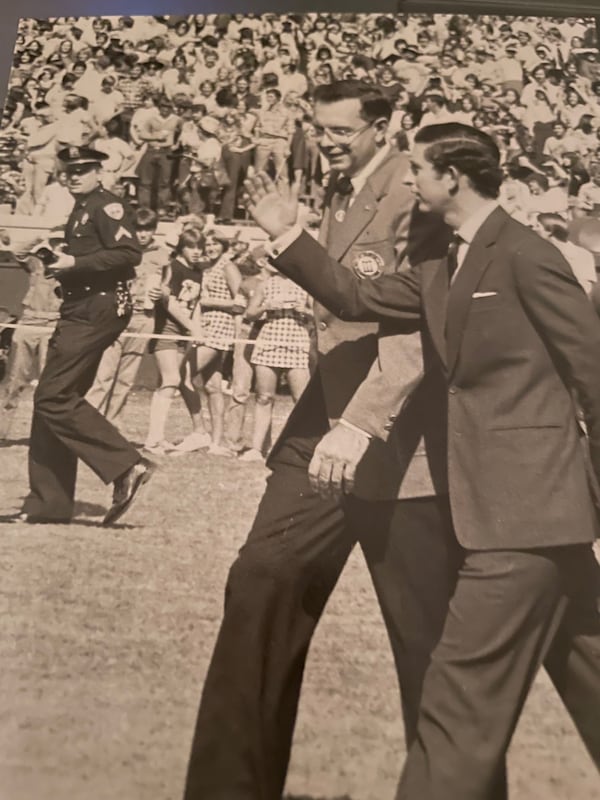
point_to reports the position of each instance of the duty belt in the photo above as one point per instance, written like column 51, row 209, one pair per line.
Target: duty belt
column 91, row 288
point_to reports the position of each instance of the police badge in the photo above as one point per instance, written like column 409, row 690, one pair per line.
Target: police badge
column 367, row 264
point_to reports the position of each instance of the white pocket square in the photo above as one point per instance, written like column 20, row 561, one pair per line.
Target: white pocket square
column 483, row 294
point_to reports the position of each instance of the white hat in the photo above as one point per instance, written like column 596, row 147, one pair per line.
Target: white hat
column 209, row 125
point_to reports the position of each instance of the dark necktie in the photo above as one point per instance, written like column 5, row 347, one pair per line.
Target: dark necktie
column 343, row 185
column 452, row 256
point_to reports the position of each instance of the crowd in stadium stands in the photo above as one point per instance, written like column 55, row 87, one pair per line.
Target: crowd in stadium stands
column 184, row 106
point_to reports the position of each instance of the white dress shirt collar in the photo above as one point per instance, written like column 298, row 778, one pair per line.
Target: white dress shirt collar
column 359, row 180
column 468, row 229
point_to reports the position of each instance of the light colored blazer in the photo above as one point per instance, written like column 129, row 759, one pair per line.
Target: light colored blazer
column 382, row 230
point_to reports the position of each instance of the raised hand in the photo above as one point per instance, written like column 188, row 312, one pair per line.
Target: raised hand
column 273, row 206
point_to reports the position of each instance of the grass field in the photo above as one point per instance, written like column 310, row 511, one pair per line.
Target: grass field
column 107, row 635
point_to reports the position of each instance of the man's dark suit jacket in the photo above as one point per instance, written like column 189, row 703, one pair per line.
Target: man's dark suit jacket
column 504, row 349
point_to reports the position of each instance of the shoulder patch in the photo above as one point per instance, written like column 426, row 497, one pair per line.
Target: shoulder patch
column 121, row 233
column 114, row 211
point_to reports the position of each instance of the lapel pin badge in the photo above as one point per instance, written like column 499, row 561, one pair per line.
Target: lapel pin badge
column 340, row 215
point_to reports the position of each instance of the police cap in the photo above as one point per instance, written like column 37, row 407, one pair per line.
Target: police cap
column 80, row 159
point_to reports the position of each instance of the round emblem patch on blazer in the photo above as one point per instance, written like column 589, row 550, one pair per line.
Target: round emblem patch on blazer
column 368, row 264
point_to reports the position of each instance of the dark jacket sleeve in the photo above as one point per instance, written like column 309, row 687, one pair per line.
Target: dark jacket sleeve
column 118, row 246
column 394, row 297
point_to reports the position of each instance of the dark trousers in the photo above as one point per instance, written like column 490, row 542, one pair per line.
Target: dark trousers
column 155, row 172
column 510, row 612
column 276, row 591
column 280, row 582
column 236, row 165
column 65, row 426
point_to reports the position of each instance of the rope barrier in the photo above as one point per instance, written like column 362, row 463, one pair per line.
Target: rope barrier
column 126, row 334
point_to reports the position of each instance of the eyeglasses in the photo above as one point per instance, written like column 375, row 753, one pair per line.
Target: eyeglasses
column 340, row 135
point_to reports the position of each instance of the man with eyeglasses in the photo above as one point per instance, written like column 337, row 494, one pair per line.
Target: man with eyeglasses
column 299, row 542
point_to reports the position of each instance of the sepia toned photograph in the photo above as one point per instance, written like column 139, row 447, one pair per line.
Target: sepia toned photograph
column 300, row 406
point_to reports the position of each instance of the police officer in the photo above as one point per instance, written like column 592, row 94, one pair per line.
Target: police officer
column 99, row 258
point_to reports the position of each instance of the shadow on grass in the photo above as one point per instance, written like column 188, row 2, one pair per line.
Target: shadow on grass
column 89, row 509
column 82, row 523
column 14, row 442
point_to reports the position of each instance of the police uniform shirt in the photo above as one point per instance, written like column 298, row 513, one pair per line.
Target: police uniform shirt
column 100, row 235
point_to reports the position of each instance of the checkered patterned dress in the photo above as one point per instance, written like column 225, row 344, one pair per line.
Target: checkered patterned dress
column 284, row 339
column 218, row 326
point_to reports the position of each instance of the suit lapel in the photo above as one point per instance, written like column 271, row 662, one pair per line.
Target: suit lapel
column 477, row 260
column 362, row 210
column 435, row 299
column 356, row 219
column 324, row 227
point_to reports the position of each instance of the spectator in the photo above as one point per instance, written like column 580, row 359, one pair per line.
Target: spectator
column 121, row 361
column 75, row 125
column 220, row 285
column 274, row 130
column 436, row 110
column 158, row 131
column 237, row 156
column 545, row 196
column 253, row 271
column 108, row 102
column 177, row 314
column 581, row 261
column 560, row 142
column 29, row 346
column 40, row 159
column 281, row 346
column 121, row 155
column 56, row 201
column 201, row 188
column 589, row 193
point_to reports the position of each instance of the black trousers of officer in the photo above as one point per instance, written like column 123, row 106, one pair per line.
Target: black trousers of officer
column 65, row 426
column 276, row 592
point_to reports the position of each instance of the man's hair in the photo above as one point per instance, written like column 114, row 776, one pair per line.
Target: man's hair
column 555, row 225
column 146, row 218
column 274, row 91
column 471, row 151
column 146, row 93
column 373, row 102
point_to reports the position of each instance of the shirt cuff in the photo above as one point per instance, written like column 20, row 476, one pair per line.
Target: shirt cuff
column 354, row 428
column 275, row 247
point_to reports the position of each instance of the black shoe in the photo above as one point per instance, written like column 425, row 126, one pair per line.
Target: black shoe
column 127, row 488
